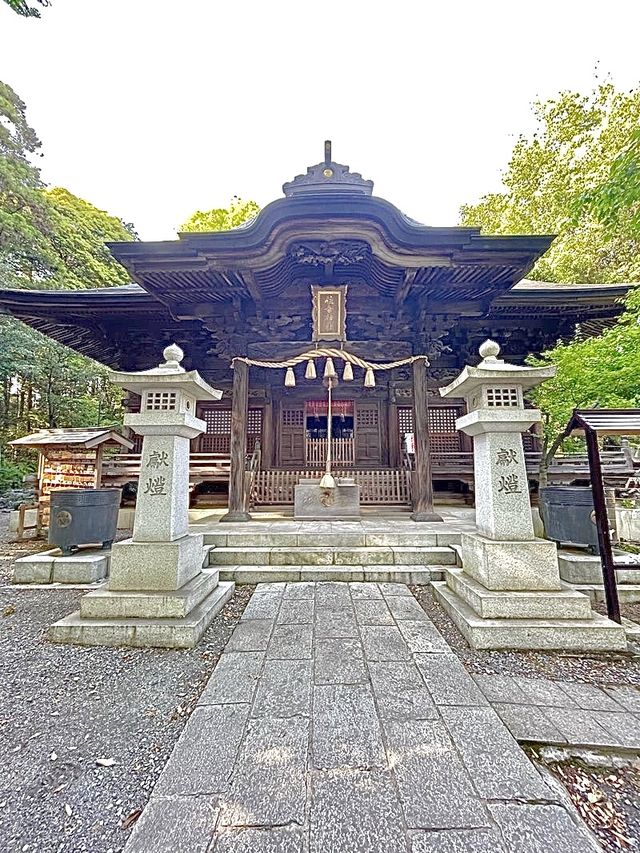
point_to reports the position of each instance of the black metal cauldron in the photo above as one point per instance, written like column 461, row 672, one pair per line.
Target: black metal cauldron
column 83, row 517
column 568, row 515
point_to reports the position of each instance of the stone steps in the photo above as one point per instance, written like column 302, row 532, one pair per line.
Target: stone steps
column 332, row 556
column 628, row 593
column 373, row 573
column 307, row 538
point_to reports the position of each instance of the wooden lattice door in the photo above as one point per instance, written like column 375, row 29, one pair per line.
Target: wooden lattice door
column 367, row 434
column 292, row 436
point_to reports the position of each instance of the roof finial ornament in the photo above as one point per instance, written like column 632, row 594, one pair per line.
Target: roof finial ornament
column 327, row 151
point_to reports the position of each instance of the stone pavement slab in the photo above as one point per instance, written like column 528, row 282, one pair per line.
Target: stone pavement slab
column 499, row 769
column 285, row 689
column 339, row 660
column 280, row 839
column 528, row 723
column 356, row 810
column 435, row 788
column 171, row 823
column 234, row 679
column 540, row 829
column 204, row 757
column 346, row 731
column 457, row 841
column 269, row 781
column 338, row 719
column 561, row 712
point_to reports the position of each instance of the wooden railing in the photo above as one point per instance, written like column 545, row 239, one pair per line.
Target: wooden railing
column 383, row 487
column 343, row 451
column 125, row 467
column 564, row 468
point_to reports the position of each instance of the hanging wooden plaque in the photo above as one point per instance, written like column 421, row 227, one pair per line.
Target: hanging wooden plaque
column 329, row 313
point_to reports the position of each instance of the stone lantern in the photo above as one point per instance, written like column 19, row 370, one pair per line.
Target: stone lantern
column 158, row 593
column 508, row 593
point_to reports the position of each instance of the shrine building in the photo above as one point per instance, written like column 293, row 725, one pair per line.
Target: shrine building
column 329, row 266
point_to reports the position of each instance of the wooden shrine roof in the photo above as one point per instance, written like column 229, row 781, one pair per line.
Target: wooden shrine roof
column 328, row 228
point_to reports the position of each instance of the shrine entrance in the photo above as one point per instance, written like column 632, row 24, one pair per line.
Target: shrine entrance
column 357, row 437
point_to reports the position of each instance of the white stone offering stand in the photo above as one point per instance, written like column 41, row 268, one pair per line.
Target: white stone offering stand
column 158, row 593
column 509, row 593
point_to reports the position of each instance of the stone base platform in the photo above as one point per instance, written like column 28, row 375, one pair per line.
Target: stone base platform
column 584, row 573
column 170, row 633
column 529, row 604
column 105, row 603
column 594, row 634
column 311, row 503
column 49, row 567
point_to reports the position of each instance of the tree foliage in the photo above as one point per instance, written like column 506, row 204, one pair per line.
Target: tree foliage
column 572, row 178
column 617, row 198
column 23, row 8
column 49, row 238
column 222, row 218
column 600, row 371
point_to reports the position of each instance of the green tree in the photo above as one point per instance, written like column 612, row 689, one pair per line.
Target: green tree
column 558, row 179
column 617, row 198
column 600, row 371
column 23, row 8
column 222, row 218
column 77, row 243
column 48, row 239
column 26, row 256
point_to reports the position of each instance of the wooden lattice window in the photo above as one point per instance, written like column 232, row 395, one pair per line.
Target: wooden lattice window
column 293, row 417
column 366, row 418
column 217, row 438
column 405, row 420
column 218, row 421
column 443, row 434
column 497, row 397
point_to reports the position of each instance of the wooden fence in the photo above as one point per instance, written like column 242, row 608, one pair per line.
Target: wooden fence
column 383, row 487
column 343, row 451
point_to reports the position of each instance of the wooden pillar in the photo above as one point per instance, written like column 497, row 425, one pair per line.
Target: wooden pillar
column 422, row 484
column 239, row 413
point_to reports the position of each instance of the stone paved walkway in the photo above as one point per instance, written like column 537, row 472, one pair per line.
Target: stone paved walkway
column 566, row 713
column 338, row 719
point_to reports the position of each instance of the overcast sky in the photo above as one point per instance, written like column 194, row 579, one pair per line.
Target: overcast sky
column 151, row 109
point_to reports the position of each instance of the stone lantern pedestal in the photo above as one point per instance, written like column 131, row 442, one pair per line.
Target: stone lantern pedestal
column 158, row 593
column 508, row 593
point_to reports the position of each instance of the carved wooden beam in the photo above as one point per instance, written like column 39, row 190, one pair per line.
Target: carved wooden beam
column 251, row 284
column 405, row 287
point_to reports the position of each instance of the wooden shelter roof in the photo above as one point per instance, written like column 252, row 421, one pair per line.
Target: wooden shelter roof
column 605, row 421
column 82, row 437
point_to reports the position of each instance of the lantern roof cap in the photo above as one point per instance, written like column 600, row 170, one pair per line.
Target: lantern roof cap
column 494, row 370
column 169, row 373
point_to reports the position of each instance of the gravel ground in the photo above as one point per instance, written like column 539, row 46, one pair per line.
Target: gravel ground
column 590, row 667
column 607, row 799
column 85, row 732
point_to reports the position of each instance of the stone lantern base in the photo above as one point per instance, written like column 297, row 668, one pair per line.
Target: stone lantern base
column 509, row 595
column 158, row 595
